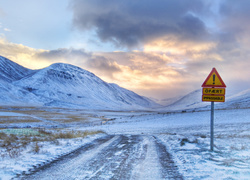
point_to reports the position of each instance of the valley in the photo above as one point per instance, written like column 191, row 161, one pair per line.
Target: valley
column 135, row 141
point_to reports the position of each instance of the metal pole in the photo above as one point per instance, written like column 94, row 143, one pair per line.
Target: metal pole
column 212, row 127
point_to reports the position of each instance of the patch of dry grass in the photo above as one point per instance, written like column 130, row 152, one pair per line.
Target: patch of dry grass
column 74, row 118
column 12, row 145
column 74, row 134
column 17, row 119
column 59, row 115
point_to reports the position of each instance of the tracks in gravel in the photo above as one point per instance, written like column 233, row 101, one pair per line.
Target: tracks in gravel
column 113, row 157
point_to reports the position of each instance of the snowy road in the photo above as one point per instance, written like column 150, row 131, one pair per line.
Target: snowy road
column 113, row 157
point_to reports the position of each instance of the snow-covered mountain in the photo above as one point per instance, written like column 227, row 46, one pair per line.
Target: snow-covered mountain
column 167, row 101
column 189, row 101
column 193, row 100
column 240, row 100
column 11, row 71
column 64, row 85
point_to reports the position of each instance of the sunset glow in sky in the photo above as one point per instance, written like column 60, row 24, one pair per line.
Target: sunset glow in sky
column 157, row 48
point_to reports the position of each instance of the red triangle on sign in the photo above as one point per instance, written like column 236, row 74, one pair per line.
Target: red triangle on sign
column 213, row 80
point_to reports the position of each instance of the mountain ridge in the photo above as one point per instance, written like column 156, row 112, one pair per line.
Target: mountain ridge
column 60, row 84
column 193, row 100
column 11, row 71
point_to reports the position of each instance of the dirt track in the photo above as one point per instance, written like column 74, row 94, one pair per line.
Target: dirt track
column 113, row 157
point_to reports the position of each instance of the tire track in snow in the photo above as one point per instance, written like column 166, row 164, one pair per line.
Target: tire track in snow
column 117, row 160
column 113, row 157
column 169, row 169
column 62, row 167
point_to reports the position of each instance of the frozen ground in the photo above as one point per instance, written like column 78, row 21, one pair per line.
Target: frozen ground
column 136, row 145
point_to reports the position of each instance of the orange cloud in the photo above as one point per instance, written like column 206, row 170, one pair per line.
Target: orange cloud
column 21, row 54
column 144, row 72
column 173, row 45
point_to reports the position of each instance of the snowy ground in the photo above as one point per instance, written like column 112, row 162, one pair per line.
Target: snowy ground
column 185, row 135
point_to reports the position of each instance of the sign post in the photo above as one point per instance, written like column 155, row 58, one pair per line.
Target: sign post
column 212, row 127
column 213, row 91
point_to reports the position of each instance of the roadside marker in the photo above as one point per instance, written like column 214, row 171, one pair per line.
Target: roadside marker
column 213, row 98
column 213, row 91
column 213, row 80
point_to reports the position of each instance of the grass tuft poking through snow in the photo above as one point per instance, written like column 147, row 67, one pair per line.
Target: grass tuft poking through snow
column 14, row 141
column 21, row 152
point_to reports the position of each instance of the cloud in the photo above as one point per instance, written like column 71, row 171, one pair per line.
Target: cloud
column 235, row 13
column 132, row 23
column 40, row 58
column 234, row 18
column 103, row 66
column 147, row 73
column 64, row 54
column 7, row 30
column 21, row 54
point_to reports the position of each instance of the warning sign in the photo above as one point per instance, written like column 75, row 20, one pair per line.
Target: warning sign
column 213, row 98
column 214, row 91
column 213, row 80
column 213, row 88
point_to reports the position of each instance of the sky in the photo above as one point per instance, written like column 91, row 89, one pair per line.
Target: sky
column 156, row 48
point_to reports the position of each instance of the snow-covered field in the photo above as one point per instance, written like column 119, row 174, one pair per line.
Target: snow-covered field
column 185, row 134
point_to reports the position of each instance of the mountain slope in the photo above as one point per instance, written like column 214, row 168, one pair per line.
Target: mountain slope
column 193, row 101
column 239, row 100
column 189, row 101
column 67, row 85
column 10, row 71
column 13, row 95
